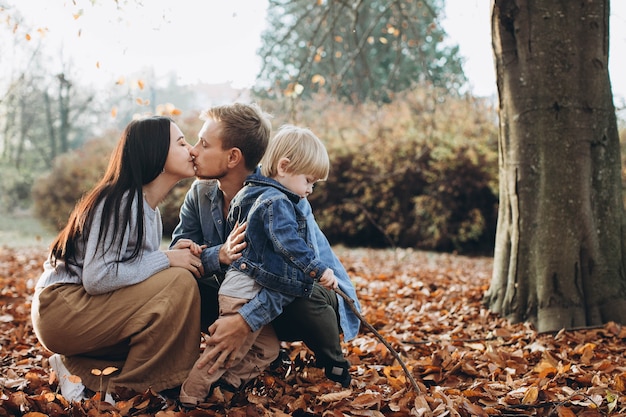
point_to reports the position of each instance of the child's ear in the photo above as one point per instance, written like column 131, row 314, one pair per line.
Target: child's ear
column 281, row 167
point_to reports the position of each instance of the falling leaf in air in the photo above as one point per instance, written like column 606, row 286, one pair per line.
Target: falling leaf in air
column 318, row 79
column 104, row 372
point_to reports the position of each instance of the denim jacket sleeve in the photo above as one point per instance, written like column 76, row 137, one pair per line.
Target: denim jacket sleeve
column 349, row 322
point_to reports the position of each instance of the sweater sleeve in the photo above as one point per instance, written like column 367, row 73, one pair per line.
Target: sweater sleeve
column 106, row 269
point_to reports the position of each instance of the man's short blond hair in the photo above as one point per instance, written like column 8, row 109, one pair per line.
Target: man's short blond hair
column 305, row 151
column 243, row 126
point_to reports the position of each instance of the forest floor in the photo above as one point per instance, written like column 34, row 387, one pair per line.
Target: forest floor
column 464, row 360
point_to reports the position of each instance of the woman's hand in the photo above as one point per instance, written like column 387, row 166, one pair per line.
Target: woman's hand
column 223, row 344
column 329, row 280
column 235, row 243
column 195, row 248
column 184, row 258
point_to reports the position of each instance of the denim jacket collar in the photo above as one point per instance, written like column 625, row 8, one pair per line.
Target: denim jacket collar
column 257, row 179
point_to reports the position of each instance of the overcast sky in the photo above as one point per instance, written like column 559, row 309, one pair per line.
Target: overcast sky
column 215, row 41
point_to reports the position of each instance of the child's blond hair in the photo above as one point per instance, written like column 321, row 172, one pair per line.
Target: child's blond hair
column 305, row 151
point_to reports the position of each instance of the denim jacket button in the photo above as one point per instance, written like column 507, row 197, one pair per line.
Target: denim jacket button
column 312, row 274
column 244, row 266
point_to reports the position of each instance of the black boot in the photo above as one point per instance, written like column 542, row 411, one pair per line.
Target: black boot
column 338, row 374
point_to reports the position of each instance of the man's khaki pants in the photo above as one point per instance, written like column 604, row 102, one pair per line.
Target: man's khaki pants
column 257, row 351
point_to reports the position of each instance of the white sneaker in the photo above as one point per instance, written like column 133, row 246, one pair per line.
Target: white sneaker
column 72, row 391
column 109, row 398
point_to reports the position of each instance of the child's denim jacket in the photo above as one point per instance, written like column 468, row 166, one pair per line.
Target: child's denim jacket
column 278, row 254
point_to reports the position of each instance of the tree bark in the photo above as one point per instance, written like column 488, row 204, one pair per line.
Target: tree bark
column 559, row 256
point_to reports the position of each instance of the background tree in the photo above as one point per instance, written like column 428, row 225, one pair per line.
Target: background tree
column 359, row 50
column 41, row 113
column 45, row 115
column 559, row 256
column 46, row 110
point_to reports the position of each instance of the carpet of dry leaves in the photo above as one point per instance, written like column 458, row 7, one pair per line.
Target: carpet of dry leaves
column 464, row 361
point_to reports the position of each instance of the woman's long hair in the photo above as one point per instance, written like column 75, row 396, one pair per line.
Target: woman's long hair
column 137, row 160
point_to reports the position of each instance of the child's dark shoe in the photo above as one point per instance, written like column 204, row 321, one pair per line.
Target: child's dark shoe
column 338, row 374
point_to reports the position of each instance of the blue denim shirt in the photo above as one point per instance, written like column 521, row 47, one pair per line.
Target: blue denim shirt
column 278, row 254
column 202, row 221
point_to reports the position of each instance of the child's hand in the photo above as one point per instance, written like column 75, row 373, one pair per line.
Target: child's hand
column 328, row 279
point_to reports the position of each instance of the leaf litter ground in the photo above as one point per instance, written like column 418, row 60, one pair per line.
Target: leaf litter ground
column 466, row 361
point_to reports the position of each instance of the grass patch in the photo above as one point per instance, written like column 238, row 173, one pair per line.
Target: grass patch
column 22, row 229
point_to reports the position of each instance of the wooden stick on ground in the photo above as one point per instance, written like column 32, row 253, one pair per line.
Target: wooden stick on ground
column 371, row 328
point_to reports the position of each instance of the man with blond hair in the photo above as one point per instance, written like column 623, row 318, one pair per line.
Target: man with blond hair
column 230, row 145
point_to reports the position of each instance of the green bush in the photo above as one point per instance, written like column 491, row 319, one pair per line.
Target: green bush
column 419, row 172
column 15, row 186
column 56, row 193
column 428, row 197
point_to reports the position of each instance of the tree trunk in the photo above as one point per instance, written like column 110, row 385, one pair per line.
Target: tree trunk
column 52, row 141
column 559, row 256
column 64, row 112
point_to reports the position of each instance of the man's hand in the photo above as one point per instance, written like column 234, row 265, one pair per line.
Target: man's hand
column 235, row 243
column 223, row 345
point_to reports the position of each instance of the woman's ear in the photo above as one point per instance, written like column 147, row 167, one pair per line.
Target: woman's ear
column 281, row 167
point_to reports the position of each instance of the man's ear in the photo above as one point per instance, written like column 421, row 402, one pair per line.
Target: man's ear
column 281, row 167
column 235, row 157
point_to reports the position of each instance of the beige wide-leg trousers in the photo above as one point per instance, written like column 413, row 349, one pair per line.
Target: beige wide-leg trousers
column 149, row 331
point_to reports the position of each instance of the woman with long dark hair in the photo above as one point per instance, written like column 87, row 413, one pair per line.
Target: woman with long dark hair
column 109, row 296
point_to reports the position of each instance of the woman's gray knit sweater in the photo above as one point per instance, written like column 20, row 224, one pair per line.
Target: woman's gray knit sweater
column 99, row 270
